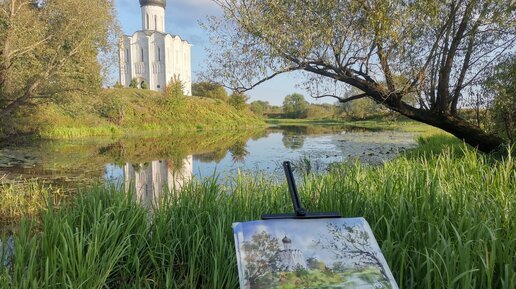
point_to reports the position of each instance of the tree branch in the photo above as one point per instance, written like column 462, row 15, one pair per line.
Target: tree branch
column 341, row 99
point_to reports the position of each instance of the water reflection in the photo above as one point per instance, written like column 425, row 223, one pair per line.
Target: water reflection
column 170, row 161
column 149, row 180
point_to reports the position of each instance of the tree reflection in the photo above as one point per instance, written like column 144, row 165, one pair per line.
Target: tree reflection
column 293, row 141
column 238, row 151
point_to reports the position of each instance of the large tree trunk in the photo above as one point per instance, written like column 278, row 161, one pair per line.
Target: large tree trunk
column 455, row 125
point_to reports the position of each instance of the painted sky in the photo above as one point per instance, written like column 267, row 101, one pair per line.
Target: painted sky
column 304, row 234
column 183, row 18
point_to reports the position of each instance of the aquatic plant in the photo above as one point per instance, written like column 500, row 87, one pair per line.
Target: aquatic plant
column 442, row 221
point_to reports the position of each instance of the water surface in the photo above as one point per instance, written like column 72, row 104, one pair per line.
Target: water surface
column 172, row 160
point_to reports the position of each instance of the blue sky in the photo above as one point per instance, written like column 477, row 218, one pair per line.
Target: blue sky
column 182, row 18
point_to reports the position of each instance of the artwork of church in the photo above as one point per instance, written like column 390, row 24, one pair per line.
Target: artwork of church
column 290, row 258
column 153, row 57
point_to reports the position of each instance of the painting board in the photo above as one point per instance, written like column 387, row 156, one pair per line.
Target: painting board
column 310, row 253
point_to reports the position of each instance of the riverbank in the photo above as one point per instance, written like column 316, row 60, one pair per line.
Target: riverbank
column 402, row 124
column 125, row 112
column 444, row 219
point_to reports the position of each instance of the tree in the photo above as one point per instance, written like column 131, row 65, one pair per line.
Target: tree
column 314, row 264
column 438, row 47
column 51, row 47
column 259, row 107
column 501, row 84
column 238, row 100
column 209, row 90
column 295, row 106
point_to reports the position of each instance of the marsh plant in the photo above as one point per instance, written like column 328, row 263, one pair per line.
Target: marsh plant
column 442, row 221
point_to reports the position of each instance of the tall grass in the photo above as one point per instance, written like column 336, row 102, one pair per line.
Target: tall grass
column 442, row 221
column 24, row 199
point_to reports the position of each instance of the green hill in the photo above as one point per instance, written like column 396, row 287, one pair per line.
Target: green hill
column 125, row 112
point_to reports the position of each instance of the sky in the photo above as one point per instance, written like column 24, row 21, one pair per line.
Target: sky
column 182, row 18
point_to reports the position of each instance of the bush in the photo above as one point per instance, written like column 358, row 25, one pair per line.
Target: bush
column 238, row 100
column 209, row 90
column 134, row 83
column 174, row 89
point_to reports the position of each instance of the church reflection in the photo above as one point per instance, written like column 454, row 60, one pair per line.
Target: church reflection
column 150, row 180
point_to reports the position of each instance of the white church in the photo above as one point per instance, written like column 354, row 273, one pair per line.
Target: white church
column 153, row 57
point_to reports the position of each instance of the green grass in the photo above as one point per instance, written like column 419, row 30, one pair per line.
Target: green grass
column 24, row 199
column 443, row 220
column 380, row 124
column 126, row 112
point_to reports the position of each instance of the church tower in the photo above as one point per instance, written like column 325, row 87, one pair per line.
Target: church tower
column 153, row 14
column 151, row 58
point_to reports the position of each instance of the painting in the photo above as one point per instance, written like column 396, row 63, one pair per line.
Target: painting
column 310, row 253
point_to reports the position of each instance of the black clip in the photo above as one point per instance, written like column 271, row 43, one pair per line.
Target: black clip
column 299, row 211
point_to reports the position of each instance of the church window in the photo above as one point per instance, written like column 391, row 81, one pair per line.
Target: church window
column 127, row 55
column 159, row 54
column 147, row 18
column 155, row 22
column 142, row 54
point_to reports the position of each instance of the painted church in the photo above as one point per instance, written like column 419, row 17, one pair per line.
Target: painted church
column 152, row 57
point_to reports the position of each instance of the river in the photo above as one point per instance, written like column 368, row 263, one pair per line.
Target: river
column 174, row 159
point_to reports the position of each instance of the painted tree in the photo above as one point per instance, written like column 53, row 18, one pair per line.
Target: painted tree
column 260, row 256
column 50, row 47
column 433, row 50
column 352, row 243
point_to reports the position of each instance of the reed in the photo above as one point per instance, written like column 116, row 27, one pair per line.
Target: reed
column 443, row 221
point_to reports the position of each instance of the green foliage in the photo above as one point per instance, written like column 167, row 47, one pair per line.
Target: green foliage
column 441, row 221
column 51, row 48
column 134, row 83
column 112, row 108
column 295, row 106
column 260, row 107
column 321, row 111
column 209, row 90
column 501, row 84
column 118, row 85
column 144, row 85
column 24, row 199
column 361, row 109
column 418, row 58
column 126, row 111
column 174, row 89
column 238, row 100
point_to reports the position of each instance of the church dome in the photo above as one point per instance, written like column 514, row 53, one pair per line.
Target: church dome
column 286, row 240
column 161, row 3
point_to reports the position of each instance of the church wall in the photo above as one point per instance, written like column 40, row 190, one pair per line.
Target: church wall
column 153, row 18
column 158, row 60
column 178, row 62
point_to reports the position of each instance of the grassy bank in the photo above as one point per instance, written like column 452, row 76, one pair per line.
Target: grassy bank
column 126, row 112
column 444, row 219
column 379, row 124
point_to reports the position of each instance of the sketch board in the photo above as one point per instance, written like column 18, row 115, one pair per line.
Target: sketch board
column 310, row 253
